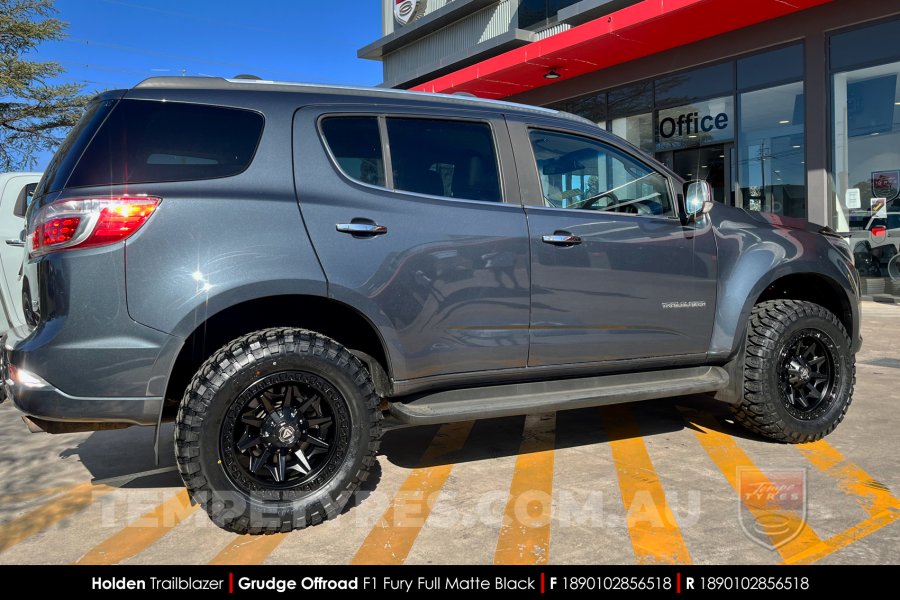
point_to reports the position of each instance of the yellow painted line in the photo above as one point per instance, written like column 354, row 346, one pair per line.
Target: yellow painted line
column 249, row 550
column 393, row 536
column 655, row 535
column 525, row 533
column 874, row 497
column 26, row 496
column 142, row 533
column 729, row 458
column 56, row 510
column 843, row 539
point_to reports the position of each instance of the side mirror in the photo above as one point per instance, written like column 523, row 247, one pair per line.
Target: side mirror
column 698, row 199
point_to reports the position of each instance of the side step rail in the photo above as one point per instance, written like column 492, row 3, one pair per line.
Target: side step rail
column 550, row 396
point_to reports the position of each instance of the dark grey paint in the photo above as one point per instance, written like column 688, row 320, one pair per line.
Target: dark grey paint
column 603, row 299
column 446, row 320
column 430, row 283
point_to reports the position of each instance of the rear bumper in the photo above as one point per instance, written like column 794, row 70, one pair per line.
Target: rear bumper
column 37, row 398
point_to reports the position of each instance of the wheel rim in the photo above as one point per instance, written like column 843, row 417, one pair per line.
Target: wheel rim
column 280, row 432
column 808, row 373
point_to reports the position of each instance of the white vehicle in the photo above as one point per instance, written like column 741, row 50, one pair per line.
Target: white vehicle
column 15, row 195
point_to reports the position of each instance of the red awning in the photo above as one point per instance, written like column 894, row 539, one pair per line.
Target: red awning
column 639, row 30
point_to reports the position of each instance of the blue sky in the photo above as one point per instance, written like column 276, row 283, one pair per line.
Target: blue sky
column 117, row 43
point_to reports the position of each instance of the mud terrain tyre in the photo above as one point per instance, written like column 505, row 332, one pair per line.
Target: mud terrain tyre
column 799, row 372
column 276, row 431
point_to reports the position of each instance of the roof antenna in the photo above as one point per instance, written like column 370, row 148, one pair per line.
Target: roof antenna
column 247, row 76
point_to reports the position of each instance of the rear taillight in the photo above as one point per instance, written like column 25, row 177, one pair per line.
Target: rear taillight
column 879, row 231
column 89, row 222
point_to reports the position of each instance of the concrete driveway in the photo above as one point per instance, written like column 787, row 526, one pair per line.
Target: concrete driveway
column 654, row 482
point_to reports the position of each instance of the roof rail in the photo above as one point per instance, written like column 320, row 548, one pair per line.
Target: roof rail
column 210, row 82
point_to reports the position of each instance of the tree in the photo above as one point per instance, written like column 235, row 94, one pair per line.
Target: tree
column 35, row 113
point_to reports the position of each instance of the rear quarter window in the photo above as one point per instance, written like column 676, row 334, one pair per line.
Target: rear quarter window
column 145, row 141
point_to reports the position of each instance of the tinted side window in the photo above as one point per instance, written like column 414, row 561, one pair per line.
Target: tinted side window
column 68, row 153
column 148, row 141
column 454, row 159
column 355, row 144
column 585, row 174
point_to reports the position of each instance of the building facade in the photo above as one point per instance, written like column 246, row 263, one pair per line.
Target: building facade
column 791, row 108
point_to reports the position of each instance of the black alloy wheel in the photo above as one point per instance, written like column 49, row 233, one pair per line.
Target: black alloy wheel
column 280, row 431
column 807, row 365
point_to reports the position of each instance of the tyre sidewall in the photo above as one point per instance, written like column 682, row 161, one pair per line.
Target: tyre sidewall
column 263, row 507
column 839, row 344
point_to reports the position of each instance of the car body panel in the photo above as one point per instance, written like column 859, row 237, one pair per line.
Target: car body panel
column 448, row 311
column 433, row 284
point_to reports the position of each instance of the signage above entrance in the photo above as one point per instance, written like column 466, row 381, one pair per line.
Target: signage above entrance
column 407, row 11
column 696, row 124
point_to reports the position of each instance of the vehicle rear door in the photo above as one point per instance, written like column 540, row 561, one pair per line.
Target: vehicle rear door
column 416, row 219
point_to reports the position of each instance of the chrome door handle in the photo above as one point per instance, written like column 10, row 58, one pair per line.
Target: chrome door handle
column 16, row 243
column 561, row 238
column 361, row 229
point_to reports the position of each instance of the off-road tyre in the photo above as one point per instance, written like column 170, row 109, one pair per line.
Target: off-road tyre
column 243, row 501
column 768, row 406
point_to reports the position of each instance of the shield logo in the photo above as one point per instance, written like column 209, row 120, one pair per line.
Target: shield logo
column 772, row 507
column 407, row 11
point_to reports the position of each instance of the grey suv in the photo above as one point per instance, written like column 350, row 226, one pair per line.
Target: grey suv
column 285, row 269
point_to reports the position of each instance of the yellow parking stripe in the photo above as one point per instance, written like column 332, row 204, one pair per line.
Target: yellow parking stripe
column 393, row 536
column 525, row 533
column 729, row 458
column 57, row 509
column 655, row 535
column 249, row 550
column 874, row 497
column 142, row 533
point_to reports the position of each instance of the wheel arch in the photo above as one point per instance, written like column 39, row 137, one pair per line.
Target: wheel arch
column 810, row 285
column 335, row 319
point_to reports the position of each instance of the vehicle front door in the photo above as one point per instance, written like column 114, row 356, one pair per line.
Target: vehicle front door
column 616, row 273
column 417, row 221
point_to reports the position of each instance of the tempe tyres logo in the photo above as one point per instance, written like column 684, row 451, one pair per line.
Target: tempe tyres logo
column 772, row 510
column 407, row 11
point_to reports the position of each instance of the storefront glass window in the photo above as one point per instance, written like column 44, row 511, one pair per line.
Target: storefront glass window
column 631, row 100
column 770, row 68
column 535, row 14
column 772, row 168
column 637, row 129
column 688, row 86
column 867, row 171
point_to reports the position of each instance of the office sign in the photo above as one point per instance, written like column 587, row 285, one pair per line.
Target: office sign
column 695, row 124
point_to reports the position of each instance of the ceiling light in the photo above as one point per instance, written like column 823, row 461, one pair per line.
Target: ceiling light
column 704, row 166
column 896, row 103
column 721, row 156
column 784, row 122
column 797, row 146
column 690, row 174
column 552, row 74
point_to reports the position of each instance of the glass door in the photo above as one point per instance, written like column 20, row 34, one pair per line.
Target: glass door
column 708, row 163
